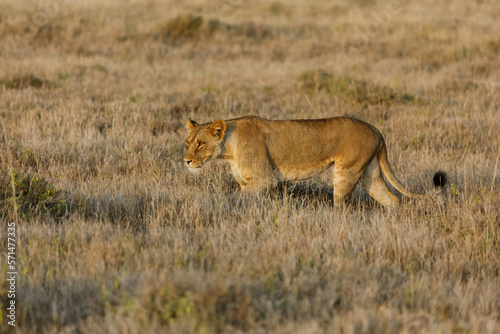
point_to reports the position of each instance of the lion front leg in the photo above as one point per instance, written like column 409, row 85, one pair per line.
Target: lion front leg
column 255, row 176
column 257, row 185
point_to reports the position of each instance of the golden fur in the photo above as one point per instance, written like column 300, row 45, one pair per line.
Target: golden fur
column 263, row 152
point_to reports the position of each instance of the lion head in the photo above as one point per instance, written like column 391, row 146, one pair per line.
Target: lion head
column 203, row 142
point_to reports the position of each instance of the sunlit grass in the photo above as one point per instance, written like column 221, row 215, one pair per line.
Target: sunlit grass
column 114, row 235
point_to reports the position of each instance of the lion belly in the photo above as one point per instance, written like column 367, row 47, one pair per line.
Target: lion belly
column 299, row 173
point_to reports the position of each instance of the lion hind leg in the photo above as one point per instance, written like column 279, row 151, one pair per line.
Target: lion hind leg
column 344, row 182
column 374, row 184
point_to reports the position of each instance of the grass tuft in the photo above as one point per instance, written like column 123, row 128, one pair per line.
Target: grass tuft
column 182, row 28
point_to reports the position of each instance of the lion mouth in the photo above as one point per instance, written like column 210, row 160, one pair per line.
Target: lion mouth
column 196, row 164
column 193, row 166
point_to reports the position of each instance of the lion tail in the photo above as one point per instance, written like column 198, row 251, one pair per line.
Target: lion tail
column 439, row 178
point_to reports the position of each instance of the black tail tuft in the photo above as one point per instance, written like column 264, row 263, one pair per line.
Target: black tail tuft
column 440, row 179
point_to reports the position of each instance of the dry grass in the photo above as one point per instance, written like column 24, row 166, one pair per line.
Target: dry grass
column 115, row 235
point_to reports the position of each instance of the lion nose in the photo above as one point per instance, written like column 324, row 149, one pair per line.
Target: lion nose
column 187, row 161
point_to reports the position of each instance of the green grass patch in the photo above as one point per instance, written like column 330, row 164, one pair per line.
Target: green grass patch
column 360, row 91
column 25, row 81
column 33, row 195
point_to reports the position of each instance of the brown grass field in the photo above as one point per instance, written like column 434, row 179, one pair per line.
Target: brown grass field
column 114, row 235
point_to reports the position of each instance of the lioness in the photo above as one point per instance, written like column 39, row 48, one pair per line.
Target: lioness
column 263, row 152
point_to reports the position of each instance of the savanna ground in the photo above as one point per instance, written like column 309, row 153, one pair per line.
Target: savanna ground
column 115, row 236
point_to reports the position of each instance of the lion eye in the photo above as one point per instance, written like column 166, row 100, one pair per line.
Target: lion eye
column 201, row 144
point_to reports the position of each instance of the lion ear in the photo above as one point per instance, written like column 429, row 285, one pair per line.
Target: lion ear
column 218, row 129
column 190, row 125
